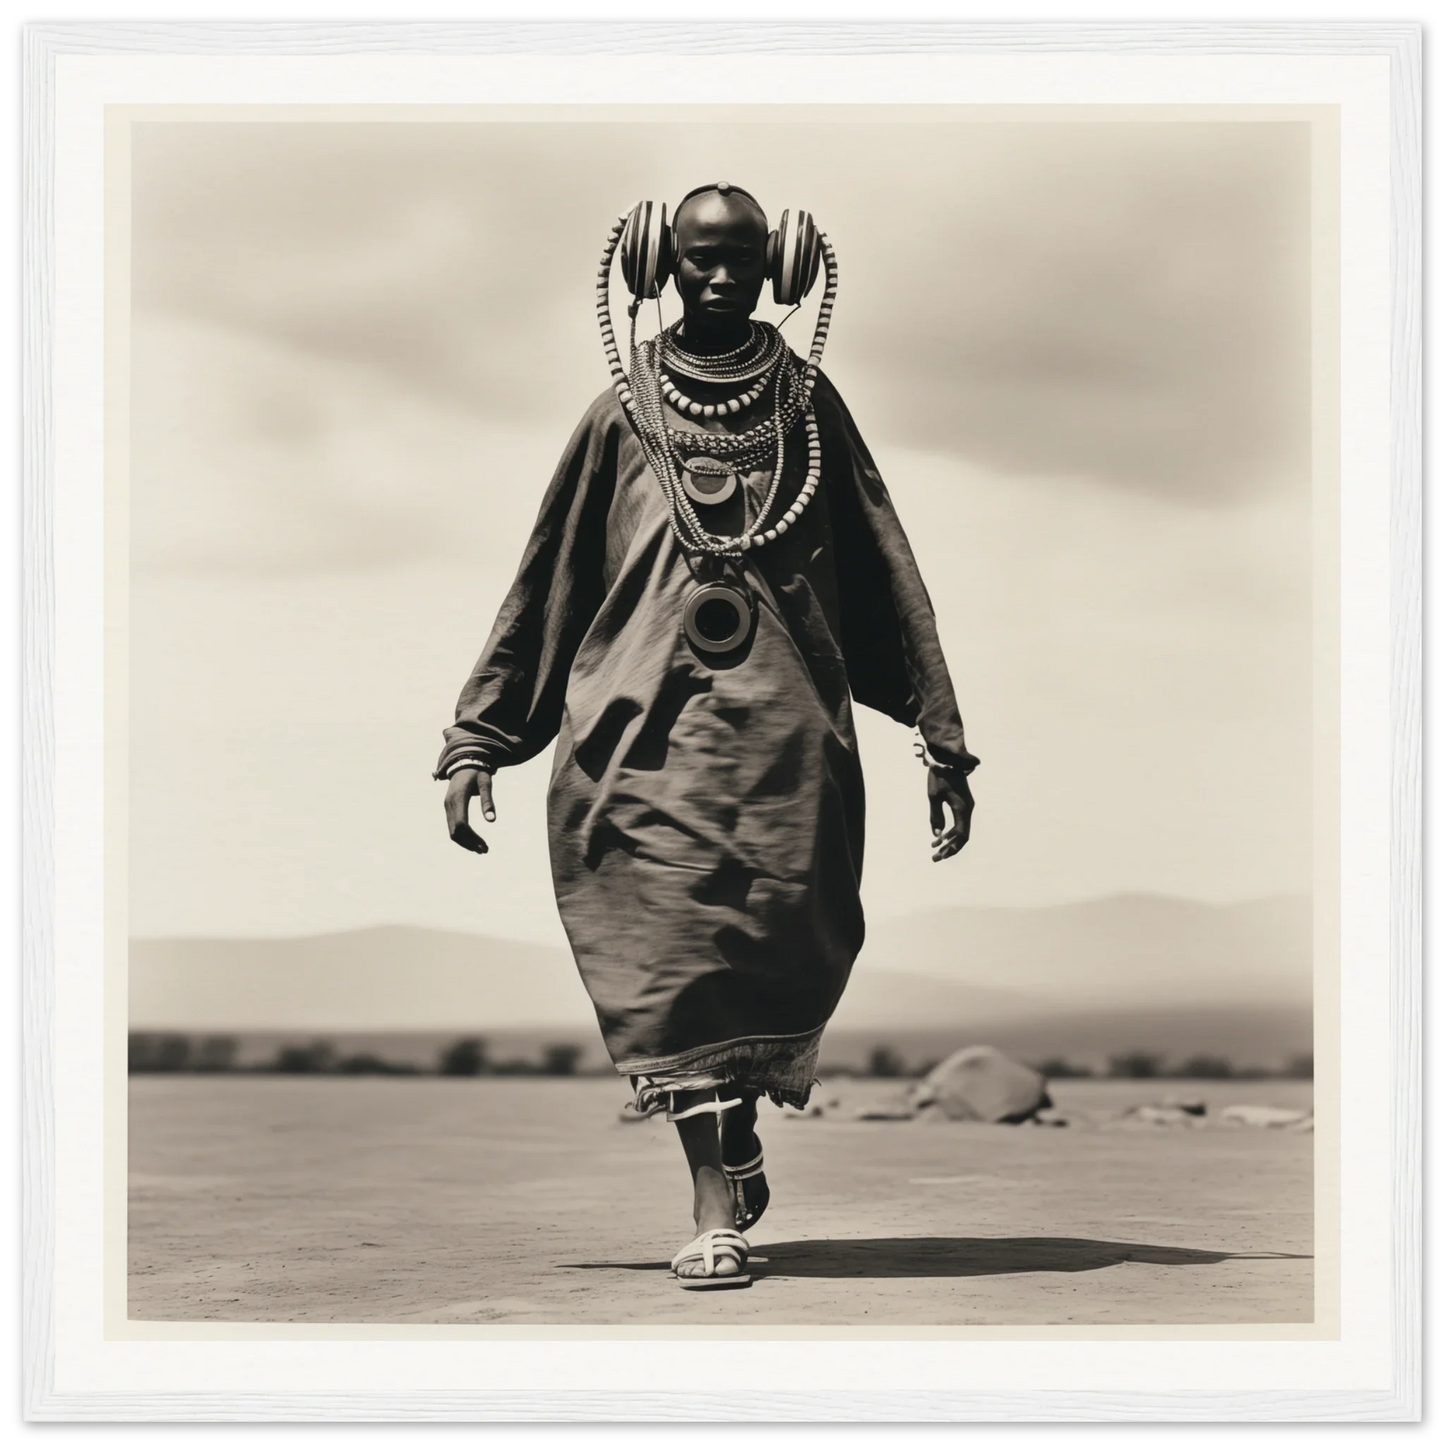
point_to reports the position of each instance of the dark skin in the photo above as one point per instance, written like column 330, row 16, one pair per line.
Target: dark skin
column 719, row 267
column 720, row 246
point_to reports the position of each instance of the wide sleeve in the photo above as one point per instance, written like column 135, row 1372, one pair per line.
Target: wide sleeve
column 511, row 705
column 890, row 635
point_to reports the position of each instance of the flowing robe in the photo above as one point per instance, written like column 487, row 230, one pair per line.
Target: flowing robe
column 705, row 811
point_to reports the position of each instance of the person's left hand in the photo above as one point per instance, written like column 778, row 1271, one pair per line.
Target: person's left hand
column 954, row 792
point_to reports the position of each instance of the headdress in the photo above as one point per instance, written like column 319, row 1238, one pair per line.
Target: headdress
column 764, row 366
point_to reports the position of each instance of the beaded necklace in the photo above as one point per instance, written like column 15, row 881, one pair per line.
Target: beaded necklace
column 757, row 360
column 679, row 401
column 791, row 384
column 687, row 525
column 721, row 359
column 744, row 448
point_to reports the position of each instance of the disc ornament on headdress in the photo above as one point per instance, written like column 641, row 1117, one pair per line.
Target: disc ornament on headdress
column 700, row 468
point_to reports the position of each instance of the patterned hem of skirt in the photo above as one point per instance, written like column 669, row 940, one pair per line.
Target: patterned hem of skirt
column 783, row 1067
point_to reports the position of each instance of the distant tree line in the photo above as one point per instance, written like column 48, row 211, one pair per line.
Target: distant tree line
column 470, row 1057
column 1140, row 1064
column 885, row 1062
column 177, row 1053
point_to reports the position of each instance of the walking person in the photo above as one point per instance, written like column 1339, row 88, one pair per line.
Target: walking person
column 715, row 576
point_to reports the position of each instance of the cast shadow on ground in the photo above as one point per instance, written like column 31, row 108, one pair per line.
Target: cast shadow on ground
column 934, row 1258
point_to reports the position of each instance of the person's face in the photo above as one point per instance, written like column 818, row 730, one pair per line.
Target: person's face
column 720, row 244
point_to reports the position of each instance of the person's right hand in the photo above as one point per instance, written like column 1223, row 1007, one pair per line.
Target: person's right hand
column 460, row 788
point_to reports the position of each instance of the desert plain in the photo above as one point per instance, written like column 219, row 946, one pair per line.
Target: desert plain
column 414, row 1201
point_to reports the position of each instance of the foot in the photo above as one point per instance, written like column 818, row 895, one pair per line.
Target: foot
column 712, row 1208
column 712, row 1194
column 740, row 1145
column 716, row 1259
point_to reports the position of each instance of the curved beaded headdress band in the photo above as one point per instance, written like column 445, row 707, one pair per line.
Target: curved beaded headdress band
column 686, row 525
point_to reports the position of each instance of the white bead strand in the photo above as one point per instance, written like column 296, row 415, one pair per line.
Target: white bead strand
column 680, row 402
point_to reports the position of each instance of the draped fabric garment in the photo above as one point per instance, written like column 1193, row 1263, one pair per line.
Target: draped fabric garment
column 705, row 812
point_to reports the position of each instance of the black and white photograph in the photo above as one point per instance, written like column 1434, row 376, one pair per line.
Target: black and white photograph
column 721, row 728
column 723, row 720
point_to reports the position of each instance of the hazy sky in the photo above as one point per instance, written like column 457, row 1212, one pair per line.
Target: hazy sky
column 1079, row 352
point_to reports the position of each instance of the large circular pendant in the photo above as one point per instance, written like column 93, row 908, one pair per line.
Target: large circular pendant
column 717, row 618
column 708, row 481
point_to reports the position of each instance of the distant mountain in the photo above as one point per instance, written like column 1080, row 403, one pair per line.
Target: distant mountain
column 1128, row 951
column 950, row 970
column 390, row 978
column 418, row 979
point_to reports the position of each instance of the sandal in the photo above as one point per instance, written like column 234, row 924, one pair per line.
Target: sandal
column 737, row 1175
column 707, row 1248
column 708, row 1106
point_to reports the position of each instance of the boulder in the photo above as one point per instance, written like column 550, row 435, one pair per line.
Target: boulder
column 983, row 1084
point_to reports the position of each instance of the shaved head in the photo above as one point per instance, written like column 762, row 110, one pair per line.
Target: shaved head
column 733, row 211
column 719, row 257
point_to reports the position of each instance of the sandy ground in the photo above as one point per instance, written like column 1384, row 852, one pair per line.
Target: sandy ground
column 528, row 1202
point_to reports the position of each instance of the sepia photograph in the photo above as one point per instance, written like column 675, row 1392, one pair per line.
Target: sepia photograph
column 723, row 716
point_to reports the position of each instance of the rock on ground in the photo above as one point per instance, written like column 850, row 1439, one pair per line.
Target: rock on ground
column 982, row 1083
column 1263, row 1116
column 1168, row 1115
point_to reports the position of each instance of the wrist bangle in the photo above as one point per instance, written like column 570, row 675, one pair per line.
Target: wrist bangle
column 920, row 750
column 478, row 765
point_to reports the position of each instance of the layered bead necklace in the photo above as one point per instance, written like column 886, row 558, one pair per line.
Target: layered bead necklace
column 738, row 451
column 765, row 366
column 660, row 444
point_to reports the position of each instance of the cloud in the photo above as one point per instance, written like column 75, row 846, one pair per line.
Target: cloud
column 251, row 455
column 1121, row 302
column 1136, row 677
column 1011, row 558
column 1079, row 353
